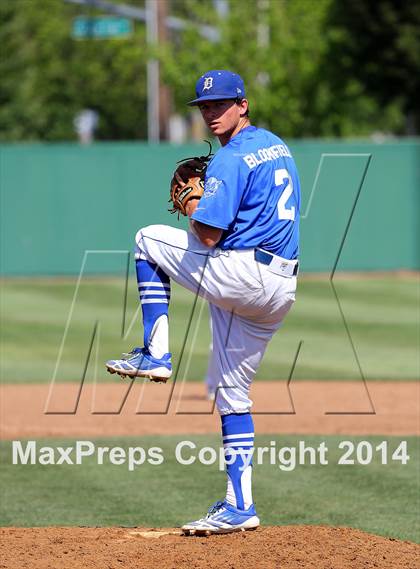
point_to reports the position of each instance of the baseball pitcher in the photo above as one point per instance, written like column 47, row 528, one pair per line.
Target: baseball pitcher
column 241, row 255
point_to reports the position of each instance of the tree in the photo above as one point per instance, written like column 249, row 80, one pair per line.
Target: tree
column 48, row 77
column 275, row 45
column 374, row 51
column 286, row 50
column 324, row 68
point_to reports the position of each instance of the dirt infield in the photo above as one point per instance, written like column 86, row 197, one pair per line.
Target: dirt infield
column 309, row 407
column 288, row 547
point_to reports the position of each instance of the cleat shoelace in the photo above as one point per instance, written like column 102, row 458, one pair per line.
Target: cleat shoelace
column 215, row 508
column 134, row 352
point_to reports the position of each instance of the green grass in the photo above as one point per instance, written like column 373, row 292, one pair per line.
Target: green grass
column 381, row 499
column 382, row 316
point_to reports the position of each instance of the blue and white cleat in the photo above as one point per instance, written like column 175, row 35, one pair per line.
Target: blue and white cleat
column 140, row 363
column 223, row 518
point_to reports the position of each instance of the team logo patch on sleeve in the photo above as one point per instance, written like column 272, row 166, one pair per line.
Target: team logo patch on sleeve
column 211, row 186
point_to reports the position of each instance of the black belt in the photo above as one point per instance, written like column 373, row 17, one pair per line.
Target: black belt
column 265, row 258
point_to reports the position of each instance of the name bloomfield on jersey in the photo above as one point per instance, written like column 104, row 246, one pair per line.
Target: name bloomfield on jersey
column 253, row 172
column 266, row 154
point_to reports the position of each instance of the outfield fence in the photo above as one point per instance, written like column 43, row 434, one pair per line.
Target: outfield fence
column 360, row 203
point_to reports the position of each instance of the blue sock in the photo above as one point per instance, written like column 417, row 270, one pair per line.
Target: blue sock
column 155, row 292
column 238, row 435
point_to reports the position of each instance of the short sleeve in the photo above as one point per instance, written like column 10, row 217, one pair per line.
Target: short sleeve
column 224, row 186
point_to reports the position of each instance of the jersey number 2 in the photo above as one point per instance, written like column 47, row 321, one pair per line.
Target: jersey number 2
column 283, row 178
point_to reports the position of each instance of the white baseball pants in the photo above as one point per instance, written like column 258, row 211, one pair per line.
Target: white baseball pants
column 247, row 304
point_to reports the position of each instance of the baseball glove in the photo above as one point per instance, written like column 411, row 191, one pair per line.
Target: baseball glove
column 188, row 182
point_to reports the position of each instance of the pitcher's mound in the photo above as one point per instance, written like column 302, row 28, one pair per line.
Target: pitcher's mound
column 287, row 547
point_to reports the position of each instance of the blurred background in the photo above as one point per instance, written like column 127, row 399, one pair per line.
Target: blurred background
column 93, row 118
column 331, row 68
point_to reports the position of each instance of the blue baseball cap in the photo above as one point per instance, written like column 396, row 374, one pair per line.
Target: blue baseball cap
column 218, row 84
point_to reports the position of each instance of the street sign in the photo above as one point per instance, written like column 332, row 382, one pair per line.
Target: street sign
column 101, row 27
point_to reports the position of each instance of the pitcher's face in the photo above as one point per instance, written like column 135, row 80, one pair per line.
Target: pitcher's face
column 223, row 117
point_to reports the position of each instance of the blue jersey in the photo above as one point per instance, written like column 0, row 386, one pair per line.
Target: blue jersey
column 252, row 192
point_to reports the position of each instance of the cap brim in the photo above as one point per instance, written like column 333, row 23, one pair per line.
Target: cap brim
column 210, row 98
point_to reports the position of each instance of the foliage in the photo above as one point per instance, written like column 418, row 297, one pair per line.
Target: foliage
column 326, row 68
column 374, row 54
column 275, row 47
column 47, row 76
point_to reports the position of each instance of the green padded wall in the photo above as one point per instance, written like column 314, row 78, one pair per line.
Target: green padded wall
column 57, row 201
